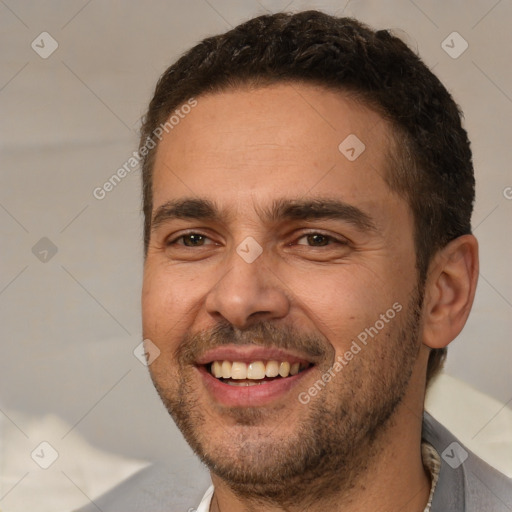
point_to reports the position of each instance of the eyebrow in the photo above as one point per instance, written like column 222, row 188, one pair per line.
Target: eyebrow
column 280, row 210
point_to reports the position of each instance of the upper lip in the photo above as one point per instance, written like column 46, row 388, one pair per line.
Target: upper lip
column 251, row 353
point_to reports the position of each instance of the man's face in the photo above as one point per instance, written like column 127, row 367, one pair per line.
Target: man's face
column 244, row 267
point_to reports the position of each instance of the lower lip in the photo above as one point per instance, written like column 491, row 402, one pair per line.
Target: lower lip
column 250, row 396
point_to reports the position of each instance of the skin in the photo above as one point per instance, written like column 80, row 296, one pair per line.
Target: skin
column 243, row 149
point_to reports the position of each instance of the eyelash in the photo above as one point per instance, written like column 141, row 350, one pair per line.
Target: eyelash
column 330, row 238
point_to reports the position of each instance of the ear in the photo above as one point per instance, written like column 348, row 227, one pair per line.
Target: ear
column 449, row 291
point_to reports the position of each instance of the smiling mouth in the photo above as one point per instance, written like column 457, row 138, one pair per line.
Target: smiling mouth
column 238, row 373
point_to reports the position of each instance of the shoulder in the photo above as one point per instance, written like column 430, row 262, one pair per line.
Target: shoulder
column 159, row 486
column 466, row 483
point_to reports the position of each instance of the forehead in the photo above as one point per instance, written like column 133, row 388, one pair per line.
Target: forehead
column 286, row 139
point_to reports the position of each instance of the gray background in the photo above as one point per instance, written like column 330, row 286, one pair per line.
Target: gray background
column 68, row 122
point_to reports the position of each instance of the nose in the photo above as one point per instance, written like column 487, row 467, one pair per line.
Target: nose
column 247, row 292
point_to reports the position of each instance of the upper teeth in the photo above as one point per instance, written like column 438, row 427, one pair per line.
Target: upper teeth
column 255, row 370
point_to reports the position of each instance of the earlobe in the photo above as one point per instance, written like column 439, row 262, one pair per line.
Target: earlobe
column 450, row 291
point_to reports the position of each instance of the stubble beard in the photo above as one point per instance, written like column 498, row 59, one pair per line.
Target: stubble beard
column 334, row 443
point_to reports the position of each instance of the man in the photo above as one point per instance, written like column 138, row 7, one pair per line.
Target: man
column 308, row 191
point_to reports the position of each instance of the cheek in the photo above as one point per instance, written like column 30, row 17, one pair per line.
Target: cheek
column 160, row 323
column 171, row 304
column 343, row 301
column 153, row 301
column 162, row 304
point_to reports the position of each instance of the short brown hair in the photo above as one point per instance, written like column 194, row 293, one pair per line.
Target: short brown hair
column 431, row 165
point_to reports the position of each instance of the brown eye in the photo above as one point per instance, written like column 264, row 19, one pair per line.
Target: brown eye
column 193, row 240
column 190, row 240
column 317, row 240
